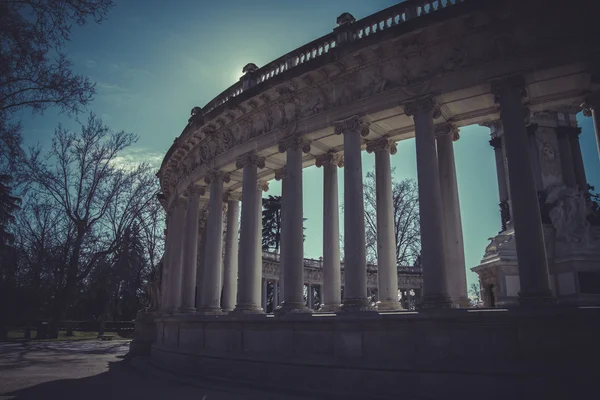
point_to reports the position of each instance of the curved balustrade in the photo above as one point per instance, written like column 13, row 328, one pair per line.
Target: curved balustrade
column 368, row 26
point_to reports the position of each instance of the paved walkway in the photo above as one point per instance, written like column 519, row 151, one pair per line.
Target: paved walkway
column 94, row 370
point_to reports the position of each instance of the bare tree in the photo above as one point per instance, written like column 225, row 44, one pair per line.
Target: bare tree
column 406, row 219
column 34, row 71
column 99, row 199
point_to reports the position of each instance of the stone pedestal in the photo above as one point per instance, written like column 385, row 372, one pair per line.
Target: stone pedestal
column 145, row 333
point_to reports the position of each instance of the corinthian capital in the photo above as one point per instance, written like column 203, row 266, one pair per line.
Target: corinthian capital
column 250, row 159
column 507, row 84
column 426, row 104
column 232, row 196
column 447, row 129
column 195, row 189
column 214, row 175
column 352, row 124
column 382, row 144
column 330, row 158
column 294, row 143
column 262, row 185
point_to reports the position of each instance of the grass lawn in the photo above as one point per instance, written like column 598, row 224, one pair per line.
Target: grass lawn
column 18, row 335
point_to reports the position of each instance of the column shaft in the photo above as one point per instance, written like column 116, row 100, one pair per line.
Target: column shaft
column 201, row 260
column 230, row 264
column 529, row 237
column 433, row 249
column 580, row 177
column 387, row 270
column 211, row 285
column 176, row 256
column 164, row 284
column 249, row 274
column 355, row 258
column 293, row 239
column 190, row 251
column 332, row 297
column 455, row 252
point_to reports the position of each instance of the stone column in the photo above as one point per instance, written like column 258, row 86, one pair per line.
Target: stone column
column 535, row 156
column 201, row 260
column 210, row 299
column 355, row 258
column 190, row 249
column 176, row 255
column 566, row 157
column 433, row 254
column 280, row 175
column 496, row 143
column 456, row 276
column 249, row 274
column 293, row 238
column 572, row 132
column 309, row 295
column 265, row 289
column 230, row 263
column 331, row 294
column 275, row 295
column 260, row 187
column 591, row 108
column 164, row 284
column 387, row 270
column 529, row 236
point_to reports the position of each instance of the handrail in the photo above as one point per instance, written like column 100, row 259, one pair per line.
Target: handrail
column 374, row 23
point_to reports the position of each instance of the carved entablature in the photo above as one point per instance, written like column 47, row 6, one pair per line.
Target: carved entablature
column 352, row 124
column 330, row 158
column 382, row 144
column 379, row 72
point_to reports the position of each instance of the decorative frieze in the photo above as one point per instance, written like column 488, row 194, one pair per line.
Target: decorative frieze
column 294, row 143
column 250, row 159
column 330, row 158
column 382, row 144
column 426, row 104
column 352, row 124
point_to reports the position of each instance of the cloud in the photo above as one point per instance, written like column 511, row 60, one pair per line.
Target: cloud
column 133, row 157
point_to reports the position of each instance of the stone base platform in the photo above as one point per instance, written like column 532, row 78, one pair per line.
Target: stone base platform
column 493, row 354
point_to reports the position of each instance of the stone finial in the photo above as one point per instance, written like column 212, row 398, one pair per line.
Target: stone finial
column 427, row 104
column 196, row 189
column 447, row 129
column 232, row 196
column 352, row 124
column 345, row 18
column 249, row 68
column 262, row 185
column 294, row 143
column 214, row 175
column 280, row 174
column 330, row 158
column 382, row 144
column 250, row 159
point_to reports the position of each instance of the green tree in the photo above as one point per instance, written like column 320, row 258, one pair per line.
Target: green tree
column 271, row 218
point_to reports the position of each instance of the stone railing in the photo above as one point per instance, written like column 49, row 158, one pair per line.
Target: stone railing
column 318, row 263
column 348, row 30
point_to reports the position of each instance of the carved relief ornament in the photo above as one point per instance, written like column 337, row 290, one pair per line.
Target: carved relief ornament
column 294, row 143
column 330, row 158
column 427, row 104
column 250, row 159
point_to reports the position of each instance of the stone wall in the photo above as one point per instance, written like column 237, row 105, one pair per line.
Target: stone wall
column 519, row 353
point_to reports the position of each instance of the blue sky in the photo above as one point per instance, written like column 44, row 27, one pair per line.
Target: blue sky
column 155, row 60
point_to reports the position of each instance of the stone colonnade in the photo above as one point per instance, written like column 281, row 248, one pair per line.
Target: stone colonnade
column 444, row 281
